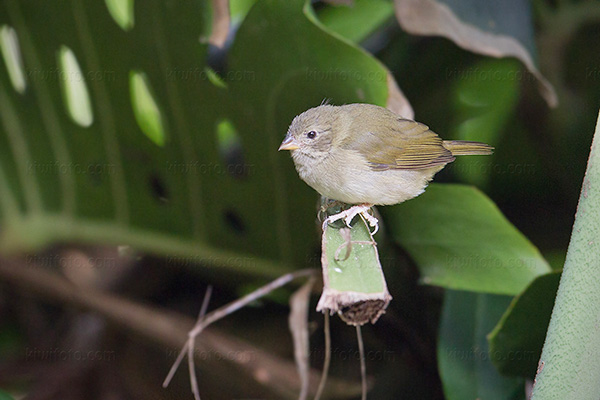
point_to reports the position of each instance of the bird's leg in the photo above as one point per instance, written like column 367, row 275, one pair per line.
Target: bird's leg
column 349, row 214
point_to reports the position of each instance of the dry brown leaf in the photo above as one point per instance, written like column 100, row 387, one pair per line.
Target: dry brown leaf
column 432, row 18
column 298, row 323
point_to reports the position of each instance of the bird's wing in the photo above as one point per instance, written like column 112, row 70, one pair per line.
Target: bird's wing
column 401, row 144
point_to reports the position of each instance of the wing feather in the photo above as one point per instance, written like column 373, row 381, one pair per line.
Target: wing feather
column 398, row 144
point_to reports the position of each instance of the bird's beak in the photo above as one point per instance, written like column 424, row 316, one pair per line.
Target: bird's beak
column 289, row 143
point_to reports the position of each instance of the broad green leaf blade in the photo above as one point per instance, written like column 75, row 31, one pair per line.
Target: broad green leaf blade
column 489, row 27
column 485, row 99
column 460, row 240
column 177, row 193
column 463, row 356
column 569, row 367
column 358, row 20
column 516, row 342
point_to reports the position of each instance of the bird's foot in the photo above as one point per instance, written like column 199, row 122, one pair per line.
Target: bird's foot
column 349, row 214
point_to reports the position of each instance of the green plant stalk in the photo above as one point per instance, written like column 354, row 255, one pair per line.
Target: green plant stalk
column 353, row 281
column 569, row 367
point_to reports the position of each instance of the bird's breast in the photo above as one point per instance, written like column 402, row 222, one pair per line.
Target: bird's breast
column 346, row 176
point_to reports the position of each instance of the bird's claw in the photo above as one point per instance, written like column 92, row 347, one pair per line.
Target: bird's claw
column 349, row 214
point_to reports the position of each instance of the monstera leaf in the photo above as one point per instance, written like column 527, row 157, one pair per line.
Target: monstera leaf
column 115, row 129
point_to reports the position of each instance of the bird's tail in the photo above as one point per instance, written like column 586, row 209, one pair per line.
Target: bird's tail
column 467, row 148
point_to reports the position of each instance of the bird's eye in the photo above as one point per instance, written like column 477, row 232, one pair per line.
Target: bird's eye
column 311, row 134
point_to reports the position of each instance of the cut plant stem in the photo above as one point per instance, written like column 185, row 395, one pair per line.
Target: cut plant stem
column 353, row 281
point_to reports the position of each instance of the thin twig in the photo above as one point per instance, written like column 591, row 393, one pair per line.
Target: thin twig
column 232, row 307
column 363, row 365
column 205, row 301
column 204, row 320
column 298, row 325
column 327, row 359
column 192, row 368
column 189, row 342
column 176, row 364
column 191, row 345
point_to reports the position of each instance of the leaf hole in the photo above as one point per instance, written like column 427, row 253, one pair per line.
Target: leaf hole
column 145, row 109
column 231, row 149
column 217, row 59
column 11, row 53
column 122, row 11
column 234, row 221
column 159, row 190
column 75, row 92
column 97, row 170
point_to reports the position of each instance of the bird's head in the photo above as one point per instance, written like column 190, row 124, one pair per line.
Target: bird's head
column 311, row 133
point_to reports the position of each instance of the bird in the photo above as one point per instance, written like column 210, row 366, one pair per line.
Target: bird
column 365, row 155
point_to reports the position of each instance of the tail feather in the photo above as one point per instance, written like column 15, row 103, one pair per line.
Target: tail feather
column 467, row 148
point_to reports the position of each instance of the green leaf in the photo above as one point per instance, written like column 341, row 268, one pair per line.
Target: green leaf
column 485, row 99
column 460, row 240
column 358, row 20
column 463, row 356
column 569, row 362
column 151, row 172
column 5, row 396
column 516, row 342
